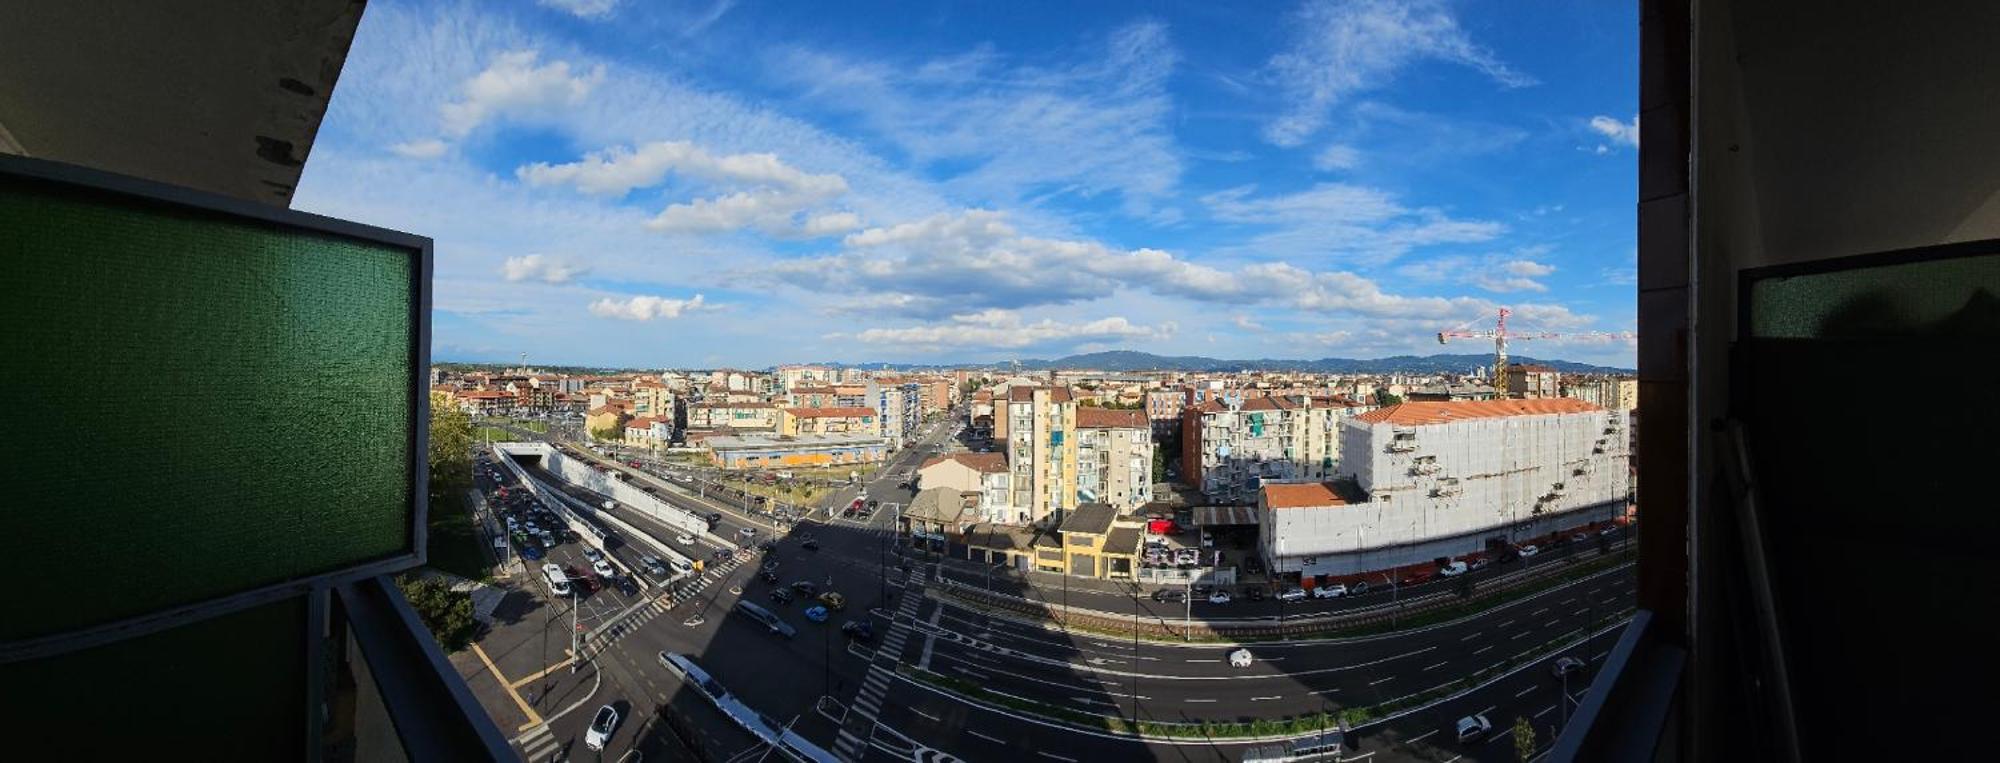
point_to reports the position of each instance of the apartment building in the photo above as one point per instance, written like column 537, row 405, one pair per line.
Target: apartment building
column 653, row 399
column 1613, row 392
column 982, row 473
column 1114, row 457
column 1041, row 453
column 756, row 416
column 1232, row 444
column 1425, row 480
column 649, row 432
column 793, row 422
column 900, row 409
column 1163, row 409
column 793, row 377
column 608, row 417
column 1533, row 381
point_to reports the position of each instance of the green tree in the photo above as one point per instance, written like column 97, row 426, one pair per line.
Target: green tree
column 1383, row 398
column 1159, row 464
column 447, row 613
column 606, row 433
column 451, row 450
column 1524, row 738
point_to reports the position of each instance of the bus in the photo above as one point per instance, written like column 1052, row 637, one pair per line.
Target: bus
column 558, row 582
column 765, row 617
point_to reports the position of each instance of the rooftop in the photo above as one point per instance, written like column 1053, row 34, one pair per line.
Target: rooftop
column 1090, row 518
column 1441, row 412
column 991, row 463
column 1091, row 417
column 829, row 413
column 799, row 441
column 1306, row 495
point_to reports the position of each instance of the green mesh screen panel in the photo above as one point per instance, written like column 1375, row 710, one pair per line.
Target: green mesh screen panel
column 1949, row 296
column 201, row 404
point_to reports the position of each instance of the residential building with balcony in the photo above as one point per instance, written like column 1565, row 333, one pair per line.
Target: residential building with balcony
column 1532, row 381
column 812, row 421
column 1231, row 444
column 1040, row 446
column 1114, row 457
column 983, row 473
column 742, row 417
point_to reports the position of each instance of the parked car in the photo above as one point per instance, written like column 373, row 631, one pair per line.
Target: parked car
column 602, row 567
column 1473, row 727
column 601, row 728
column 1565, row 665
column 1453, row 569
column 1169, row 596
column 1480, row 564
column 806, row 587
column 653, row 566
column 531, row 552
column 810, row 545
column 1608, row 532
column 859, row 630
column 1292, row 594
column 593, row 555
column 684, row 539
column 816, row 614
column 1359, row 587
column 781, row 595
column 1579, row 538
column 1530, row 550
column 747, row 532
column 714, row 517
column 1330, row 591
column 1203, row 589
column 1219, row 597
column 627, row 586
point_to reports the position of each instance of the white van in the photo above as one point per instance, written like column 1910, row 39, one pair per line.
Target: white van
column 558, row 582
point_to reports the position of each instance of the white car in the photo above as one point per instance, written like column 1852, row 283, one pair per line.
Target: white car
column 548, row 541
column 1330, row 591
column 747, row 532
column 1292, row 594
column 593, row 554
column 601, row 728
column 684, row 539
column 603, row 568
column 1240, row 658
column 1453, row 570
column 1473, row 727
column 1565, row 665
column 1219, row 597
column 1530, row 550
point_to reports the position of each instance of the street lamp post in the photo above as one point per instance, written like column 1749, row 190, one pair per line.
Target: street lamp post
column 1187, row 614
column 575, row 648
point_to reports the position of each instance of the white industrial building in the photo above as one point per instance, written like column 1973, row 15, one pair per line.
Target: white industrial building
column 1425, row 480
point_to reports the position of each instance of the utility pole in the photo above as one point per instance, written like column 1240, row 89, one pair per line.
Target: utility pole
column 575, row 631
column 1187, row 616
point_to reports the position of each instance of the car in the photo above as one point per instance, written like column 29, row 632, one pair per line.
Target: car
column 816, row 614
column 1219, row 597
column 714, row 518
column 531, row 552
column 1608, row 532
column 653, row 566
column 872, row 504
column 601, row 728
column 768, row 577
column 781, row 595
column 1359, row 587
column 747, row 532
column 1565, row 665
column 593, row 555
column 770, row 566
column 1292, row 594
column 513, row 524
column 810, row 545
column 1473, row 727
column 626, row 586
column 1330, row 591
column 1240, row 658
column 1170, row 596
column 806, row 587
column 1453, row 569
column 859, row 630
column 1203, row 589
column 833, row 600
column 1530, row 550
column 1480, row 564
column 548, row 541
column 1579, row 538
column 602, row 567
column 1253, row 593
column 684, row 539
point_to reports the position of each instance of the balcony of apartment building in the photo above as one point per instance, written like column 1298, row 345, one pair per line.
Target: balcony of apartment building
column 1816, row 195
column 212, row 617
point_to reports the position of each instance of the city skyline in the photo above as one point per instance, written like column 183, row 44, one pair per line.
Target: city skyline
column 622, row 184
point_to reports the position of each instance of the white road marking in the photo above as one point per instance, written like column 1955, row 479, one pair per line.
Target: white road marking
column 1053, row 755
column 1261, row 699
column 934, row 719
column 1475, row 651
column 1569, row 600
column 1323, row 691
column 1200, row 700
column 1580, row 610
column 1381, row 680
column 1538, row 611
column 1435, row 667
column 1545, row 711
column 1518, row 635
column 1420, row 737
column 994, row 740
column 1204, row 660
column 1598, row 656
column 1470, row 637
column 1505, row 624
column 1523, row 692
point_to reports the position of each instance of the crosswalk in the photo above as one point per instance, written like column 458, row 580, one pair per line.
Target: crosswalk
column 538, row 744
column 860, row 723
column 604, row 637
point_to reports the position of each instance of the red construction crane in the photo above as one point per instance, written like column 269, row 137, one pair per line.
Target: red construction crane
column 1500, row 335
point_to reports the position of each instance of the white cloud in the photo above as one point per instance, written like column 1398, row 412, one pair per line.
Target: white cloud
column 1336, row 157
column 1004, row 329
column 1366, row 225
column 1012, row 131
column 583, row 9
column 779, row 191
column 1620, row 133
column 1244, row 322
column 831, row 223
column 646, row 308
column 1494, row 273
column 1514, row 275
column 1345, row 48
column 513, row 86
column 535, row 267
column 420, row 149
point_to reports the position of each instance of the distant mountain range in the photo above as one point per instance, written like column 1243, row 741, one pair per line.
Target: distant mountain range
column 1129, row 360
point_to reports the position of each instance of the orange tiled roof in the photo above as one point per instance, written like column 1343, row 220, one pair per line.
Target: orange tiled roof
column 1091, row 417
column 991, row 463
column 1418, row 413
column 1302, row 495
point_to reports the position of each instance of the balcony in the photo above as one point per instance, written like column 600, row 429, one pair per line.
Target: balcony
column 1405, row 446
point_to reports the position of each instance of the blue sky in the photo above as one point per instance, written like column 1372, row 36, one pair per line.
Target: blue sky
column 693, row 184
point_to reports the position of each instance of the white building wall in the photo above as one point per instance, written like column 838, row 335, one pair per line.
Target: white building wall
column 1503, row 468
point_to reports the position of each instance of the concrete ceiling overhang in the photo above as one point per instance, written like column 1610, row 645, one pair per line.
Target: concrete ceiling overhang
column 224, row 97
